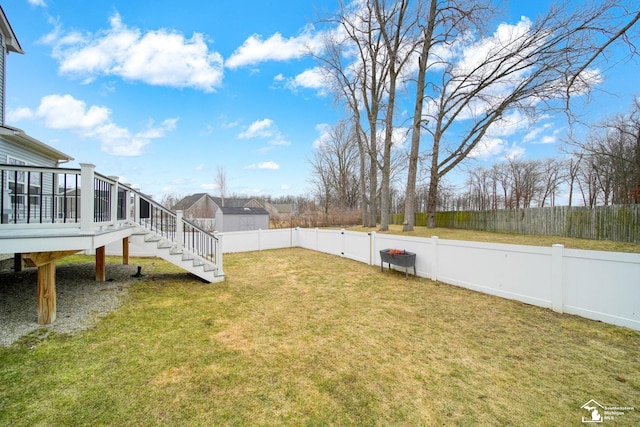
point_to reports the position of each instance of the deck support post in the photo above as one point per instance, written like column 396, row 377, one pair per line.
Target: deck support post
column 46, row 263
column 101, row 271
column 47, row 293
column 17, row 262
column 125, row 251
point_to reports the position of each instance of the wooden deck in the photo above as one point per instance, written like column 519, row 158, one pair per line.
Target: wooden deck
column 51, row 213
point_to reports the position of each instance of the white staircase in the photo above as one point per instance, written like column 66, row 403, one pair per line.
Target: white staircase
column 177, row 255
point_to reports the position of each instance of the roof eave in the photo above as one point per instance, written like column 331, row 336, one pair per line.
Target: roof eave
column 11, row 41
column 17, row 136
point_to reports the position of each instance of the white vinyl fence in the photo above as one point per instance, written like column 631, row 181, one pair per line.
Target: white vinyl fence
column 597, row 285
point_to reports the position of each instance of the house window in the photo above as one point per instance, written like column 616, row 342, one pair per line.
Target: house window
column 24, row 190
column 16, row 182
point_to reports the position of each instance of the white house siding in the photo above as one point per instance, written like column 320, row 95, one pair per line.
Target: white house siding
column 3, row 54
column 237, row 219
column 11, row 150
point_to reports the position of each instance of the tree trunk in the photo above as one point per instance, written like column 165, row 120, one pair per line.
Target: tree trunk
column 364, row 203
column 412, row 173
column 373, row 172
column 432, row 199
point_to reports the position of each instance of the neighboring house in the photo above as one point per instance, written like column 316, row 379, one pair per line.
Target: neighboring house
column 203, row 210
column 241, row 219
column 280, row 214
column 199, row 208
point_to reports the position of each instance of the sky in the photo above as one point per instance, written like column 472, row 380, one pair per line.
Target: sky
column 161, row 93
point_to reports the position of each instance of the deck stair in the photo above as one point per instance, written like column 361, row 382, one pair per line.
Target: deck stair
column 172, row 252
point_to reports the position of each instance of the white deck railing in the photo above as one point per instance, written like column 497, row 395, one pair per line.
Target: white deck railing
column 36, row 198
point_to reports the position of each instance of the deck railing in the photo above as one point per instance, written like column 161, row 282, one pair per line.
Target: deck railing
column 39, row 194
column 65, row 197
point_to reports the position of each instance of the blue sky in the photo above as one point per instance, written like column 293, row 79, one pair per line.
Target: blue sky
column 160, row 93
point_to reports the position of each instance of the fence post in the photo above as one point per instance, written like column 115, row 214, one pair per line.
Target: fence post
column 87, row 197
column 434, row 258
column 179, row 229
column 259, row 239
column 372, row 247
column 342, row 242
column 557, row 285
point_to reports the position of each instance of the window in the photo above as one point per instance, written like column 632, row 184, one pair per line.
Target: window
column 25, row 191
column 16, row 182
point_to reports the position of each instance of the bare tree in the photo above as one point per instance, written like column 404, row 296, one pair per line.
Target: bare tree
column 169, row 200
column 365, row 57
column 610, row 157
column 396, row 27
column 440, row 23
column 530, row 69
column 221, row 182
column 552, row 174
column 334, row 167
column 573, row 168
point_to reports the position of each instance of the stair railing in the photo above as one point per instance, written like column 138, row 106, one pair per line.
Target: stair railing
column 174, row 227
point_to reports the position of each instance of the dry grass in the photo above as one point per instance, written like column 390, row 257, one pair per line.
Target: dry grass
column 295, row 337
column 515, row 239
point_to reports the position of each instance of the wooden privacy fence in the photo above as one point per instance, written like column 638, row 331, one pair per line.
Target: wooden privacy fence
column 614, row 222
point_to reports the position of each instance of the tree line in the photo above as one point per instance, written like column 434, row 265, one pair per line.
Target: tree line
column 438, row 73
column 603, row 168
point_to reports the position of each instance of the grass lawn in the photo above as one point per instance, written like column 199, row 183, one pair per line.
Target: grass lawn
column 295, row 337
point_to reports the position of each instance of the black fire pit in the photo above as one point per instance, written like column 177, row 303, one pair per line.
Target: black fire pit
column 398, row 257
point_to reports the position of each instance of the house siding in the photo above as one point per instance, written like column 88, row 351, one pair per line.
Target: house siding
column 234, row 221
column 9, row 149
column 3, row 55
column 203, row 208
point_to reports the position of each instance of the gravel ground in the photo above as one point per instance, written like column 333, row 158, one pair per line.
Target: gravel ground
column 80, row 299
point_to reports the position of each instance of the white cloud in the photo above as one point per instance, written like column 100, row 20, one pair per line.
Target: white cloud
column 269, row 165
column 487, row 148
column 40, row 3
column 533, row 134
column 399, row 137
column 260, row 128
column 161, row 57
column 255, row 49
column 514, row 152
column 64, row 112
column 229, row 125
column 265, row 128
column 509, row 124
column 313, row 78
column 536, row 135
column 324, row 129
column 18, row 114
column 264, row 165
